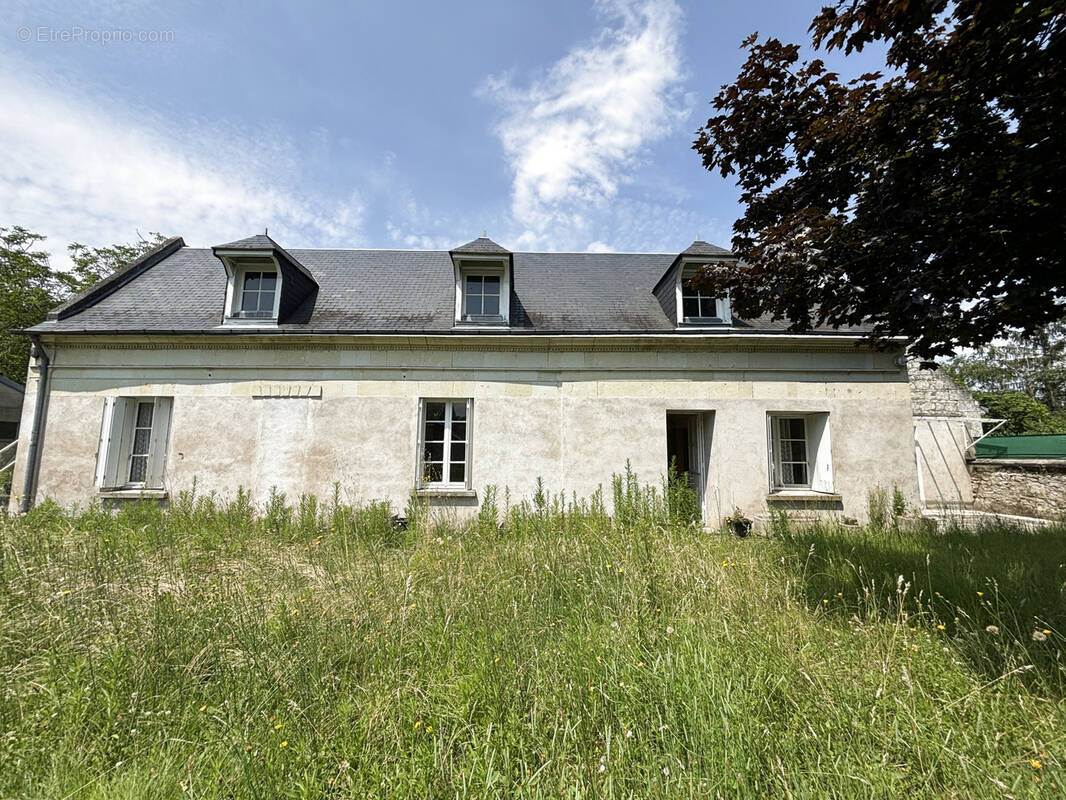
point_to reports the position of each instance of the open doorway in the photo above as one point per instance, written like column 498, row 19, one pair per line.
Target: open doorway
column 685, row 449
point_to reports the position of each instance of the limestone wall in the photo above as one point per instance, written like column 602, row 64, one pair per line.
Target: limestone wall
column 1028, row 487
column 300, row 417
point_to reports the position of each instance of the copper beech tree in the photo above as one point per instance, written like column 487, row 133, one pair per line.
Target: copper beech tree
column 927, row 199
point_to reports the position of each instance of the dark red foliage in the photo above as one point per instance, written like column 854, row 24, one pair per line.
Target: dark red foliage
column 929, row 200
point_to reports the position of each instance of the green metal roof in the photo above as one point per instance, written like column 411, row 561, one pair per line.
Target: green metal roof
column 1036, row 446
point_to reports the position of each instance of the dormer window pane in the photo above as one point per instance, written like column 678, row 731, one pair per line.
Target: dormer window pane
column 482, row 296
column 697, row 305
column 257, row 294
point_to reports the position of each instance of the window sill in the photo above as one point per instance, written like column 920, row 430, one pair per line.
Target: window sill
column 132, row 494
column 432, row 491
column 250, row 322
column 803, row 496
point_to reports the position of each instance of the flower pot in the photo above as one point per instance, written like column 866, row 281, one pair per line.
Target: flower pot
column 740, row 527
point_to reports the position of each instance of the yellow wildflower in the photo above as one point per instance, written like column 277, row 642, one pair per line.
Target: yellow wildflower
column 940, row 628
column 1035, row 764
column 203, row 708
column 284, row 744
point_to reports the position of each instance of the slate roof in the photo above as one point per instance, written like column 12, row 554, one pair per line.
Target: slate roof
column 481, row 244
column 394, row 291
column 702, row 248
column 258, row 242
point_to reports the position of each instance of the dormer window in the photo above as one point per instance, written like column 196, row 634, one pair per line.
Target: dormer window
column 481, row 297
column 259, row 293
column 696, row 307
column 265, row 285
column 482, row 283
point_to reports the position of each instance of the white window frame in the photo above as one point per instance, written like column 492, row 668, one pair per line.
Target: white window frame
column 445, row 484
column 723, row 311
column 114, row 456
column 818, row 451
column 237, row 266
column 486, row 266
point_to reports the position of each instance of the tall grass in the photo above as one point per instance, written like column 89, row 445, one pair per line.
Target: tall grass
column 541, row 649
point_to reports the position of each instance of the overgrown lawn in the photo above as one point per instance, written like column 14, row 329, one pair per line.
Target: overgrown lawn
column 217, row 650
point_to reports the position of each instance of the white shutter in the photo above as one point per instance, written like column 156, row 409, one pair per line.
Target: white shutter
column 157, row 447
column 819, row 445
column 109, row 452
column 771, row 422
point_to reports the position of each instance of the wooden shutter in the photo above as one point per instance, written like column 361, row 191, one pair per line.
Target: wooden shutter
column 109, row 452
column 820, row 453
column 157, row 446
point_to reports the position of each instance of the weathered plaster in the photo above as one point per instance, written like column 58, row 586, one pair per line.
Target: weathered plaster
column 569, row 411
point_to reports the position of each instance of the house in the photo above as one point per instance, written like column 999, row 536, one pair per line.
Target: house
column 386, row 372
column 10, row 410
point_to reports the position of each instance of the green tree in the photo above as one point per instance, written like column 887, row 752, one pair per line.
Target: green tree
column 1024, row 415
column 1035, row 365
column 28, row 289
column 93, row 264
column 928, row 200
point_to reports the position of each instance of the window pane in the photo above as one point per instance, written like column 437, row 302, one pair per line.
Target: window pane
column 458, row 451
column 434, row 451
column 266, row 302
column 473, row 284
column 793, row 451
column 138, row 469
column 458, row 411
column 433, row 473
column 794, row 473
column 458, row 431
column 492, row 284
column 434, row 411
column 796, row 428
column 457, row 473
column 250, row 301
column 251, row 281
column 434, row 432
column 690, row 307
column 144, row 415
column 707, row 307
column 492, row 304
column 141, row 437
column 269, row 281
column 473, row 304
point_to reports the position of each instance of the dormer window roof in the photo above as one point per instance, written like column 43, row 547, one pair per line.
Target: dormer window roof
column 683, row 303
column 482, row 283
column 265, row 284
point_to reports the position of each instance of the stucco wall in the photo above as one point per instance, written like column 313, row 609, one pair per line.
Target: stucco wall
column 568, row 411
column 1029, row 487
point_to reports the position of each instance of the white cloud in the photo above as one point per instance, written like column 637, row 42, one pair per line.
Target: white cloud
column 599, row 247
column 572, row 137
column 87, row 168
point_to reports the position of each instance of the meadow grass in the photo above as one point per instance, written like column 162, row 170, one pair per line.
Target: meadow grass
column 543, row 649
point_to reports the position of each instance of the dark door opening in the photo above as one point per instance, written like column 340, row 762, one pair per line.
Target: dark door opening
column 684, row 448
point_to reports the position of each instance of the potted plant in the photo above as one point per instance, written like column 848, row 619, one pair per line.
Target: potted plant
column 739, row 525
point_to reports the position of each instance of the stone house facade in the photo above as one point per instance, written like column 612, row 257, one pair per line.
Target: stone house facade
column 442, row 372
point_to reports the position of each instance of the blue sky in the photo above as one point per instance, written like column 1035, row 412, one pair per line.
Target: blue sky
column 550, row 125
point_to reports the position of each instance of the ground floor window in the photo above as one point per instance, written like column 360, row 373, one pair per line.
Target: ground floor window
column 800, row 452
column 133, row 443
column 444, row 444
